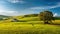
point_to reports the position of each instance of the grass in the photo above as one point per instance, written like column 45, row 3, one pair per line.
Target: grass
column 31, row 25
column 14, row 28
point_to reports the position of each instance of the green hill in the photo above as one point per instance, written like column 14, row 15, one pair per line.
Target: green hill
column 2, row 16
column 57, row 18
column 30, row 16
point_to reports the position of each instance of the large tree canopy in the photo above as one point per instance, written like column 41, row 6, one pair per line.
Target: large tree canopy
column 46, row 16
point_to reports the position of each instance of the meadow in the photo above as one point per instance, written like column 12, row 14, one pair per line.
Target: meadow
column 29, row 25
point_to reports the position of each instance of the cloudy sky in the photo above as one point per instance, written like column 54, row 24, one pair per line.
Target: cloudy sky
column 21, row 7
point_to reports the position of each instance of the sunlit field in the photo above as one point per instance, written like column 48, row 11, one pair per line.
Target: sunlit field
column 29, row 25
column 13, row 28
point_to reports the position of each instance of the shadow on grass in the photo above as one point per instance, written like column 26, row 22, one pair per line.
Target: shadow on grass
column 54, row 24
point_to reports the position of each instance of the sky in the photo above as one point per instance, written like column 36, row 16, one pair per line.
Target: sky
column 22, row 7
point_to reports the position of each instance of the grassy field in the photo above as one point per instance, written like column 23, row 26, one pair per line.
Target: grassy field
column 29, row 25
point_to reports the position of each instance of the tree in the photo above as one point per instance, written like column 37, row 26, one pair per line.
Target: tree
column 46, row 16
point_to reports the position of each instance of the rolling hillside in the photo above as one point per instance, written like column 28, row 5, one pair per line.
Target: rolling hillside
column 2, row 16
column 34, row 15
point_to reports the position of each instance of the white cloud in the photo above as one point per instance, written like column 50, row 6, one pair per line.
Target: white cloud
column 57, row 5
column 9, row 13
column 55, row 14
column 3, row 11
column 46, row 7
column 16, row 1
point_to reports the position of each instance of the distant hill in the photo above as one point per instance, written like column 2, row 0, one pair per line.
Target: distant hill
column 57, row 18
column 2, row 16
column 34, row 15
column 31, row 15
column 28, row 15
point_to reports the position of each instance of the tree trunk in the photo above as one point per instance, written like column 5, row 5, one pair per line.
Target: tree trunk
column 46, row 22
